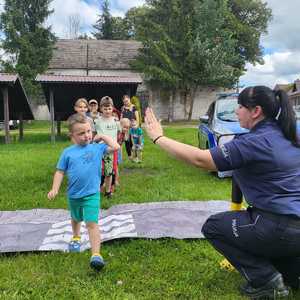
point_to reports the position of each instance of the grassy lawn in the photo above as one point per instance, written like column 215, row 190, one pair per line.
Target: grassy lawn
column 136, row 268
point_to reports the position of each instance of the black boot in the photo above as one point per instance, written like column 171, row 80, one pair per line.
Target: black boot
column 274, row 289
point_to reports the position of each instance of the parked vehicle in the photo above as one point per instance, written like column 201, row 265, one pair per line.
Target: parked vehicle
column 220, row 124
column 13, row 124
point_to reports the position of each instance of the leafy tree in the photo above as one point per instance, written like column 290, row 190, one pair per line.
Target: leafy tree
column 248, row 20
column 187, row 44
column 119, row 30
column 132, row 19
column 109, row 27
column 27, row 42
column 104, row 25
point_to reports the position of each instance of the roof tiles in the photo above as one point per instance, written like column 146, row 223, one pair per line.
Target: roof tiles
column 45, row 78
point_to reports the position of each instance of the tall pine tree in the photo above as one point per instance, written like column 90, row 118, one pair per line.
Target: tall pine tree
column 104, row 24
column 27, row 42
column 108, row 27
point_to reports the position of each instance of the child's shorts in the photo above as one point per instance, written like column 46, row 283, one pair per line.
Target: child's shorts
column 85, row 209
column 108, row 164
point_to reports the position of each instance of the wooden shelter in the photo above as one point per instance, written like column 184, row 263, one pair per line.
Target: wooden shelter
column 88, row 69
column 14, row 104
column 62, row 91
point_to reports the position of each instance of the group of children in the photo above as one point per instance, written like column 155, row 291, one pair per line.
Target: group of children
column 92, row 161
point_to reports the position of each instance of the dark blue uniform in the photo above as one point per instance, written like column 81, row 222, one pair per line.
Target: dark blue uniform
column 264, row 239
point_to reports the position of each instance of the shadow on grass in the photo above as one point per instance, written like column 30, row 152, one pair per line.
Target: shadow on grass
column 33, row 138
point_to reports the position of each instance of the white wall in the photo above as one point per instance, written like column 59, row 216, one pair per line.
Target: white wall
column 203, row 98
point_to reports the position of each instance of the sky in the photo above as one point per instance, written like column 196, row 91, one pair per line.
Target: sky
column 281, row 44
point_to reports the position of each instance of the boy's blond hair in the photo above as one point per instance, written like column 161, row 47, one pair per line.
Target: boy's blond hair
column 81, row 100
column 106, row 101
column 76, row 119
column 125, row 121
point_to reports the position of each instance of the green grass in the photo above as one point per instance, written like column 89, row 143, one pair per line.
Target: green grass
column 137, row 268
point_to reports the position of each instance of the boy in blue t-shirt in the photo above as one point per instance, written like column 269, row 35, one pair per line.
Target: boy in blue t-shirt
column 137, row 138
column 82, row 164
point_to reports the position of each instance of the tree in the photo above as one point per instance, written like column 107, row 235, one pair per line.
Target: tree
column 27, row 43
column 73, row 26
column 109, row 27
column 104, row 25
column 132, row 19
column 205, row 50
column 248, row 20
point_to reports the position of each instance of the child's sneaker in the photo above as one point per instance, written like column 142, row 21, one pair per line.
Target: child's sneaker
column 108, row 195
column 74, row 245
column 97, row 262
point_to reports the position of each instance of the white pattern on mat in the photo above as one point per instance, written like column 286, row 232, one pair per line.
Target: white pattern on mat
column 112, row 227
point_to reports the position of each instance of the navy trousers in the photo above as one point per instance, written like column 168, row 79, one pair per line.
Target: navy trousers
column 258, row 246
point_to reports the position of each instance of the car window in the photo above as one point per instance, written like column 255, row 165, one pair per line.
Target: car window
column 210, row 112
column 225, row 109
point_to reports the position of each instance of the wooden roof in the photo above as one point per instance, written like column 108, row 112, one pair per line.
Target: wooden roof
column 133, row 78
column 67, row 89
column 285, row 87
column 17, row 99
column 94, row 54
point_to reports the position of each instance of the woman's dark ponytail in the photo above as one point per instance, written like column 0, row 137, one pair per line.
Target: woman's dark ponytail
column 286, row 118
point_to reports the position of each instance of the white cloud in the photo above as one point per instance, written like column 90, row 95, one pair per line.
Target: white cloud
column 88, row 14
column 126, row 5
column 120, row 7
column 87, row 10
column 279, row 67
column 283, row 33
column 283, row 65
column 2, row 5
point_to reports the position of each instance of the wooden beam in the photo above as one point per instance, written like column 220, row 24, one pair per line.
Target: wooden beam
column 21, row 127
column 6, row 114
column 58, row 127
column 52, row 115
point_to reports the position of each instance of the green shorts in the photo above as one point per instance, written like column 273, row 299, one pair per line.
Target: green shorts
column 85, row 209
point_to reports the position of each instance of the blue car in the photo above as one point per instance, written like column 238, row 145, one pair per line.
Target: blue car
column 220, row 124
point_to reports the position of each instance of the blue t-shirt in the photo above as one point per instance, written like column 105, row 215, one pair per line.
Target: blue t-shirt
column 137, row 135
column 266, row 167
column 82, row 164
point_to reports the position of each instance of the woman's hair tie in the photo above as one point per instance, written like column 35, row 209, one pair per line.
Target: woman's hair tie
column 278, row 114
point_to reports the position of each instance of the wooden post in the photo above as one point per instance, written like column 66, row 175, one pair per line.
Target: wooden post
column 52, row 115
column 21, row 127
column 6, row 114
column 58, row 127
column 171, row 106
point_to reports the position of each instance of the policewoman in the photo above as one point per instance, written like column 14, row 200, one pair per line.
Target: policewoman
column 262, row 242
